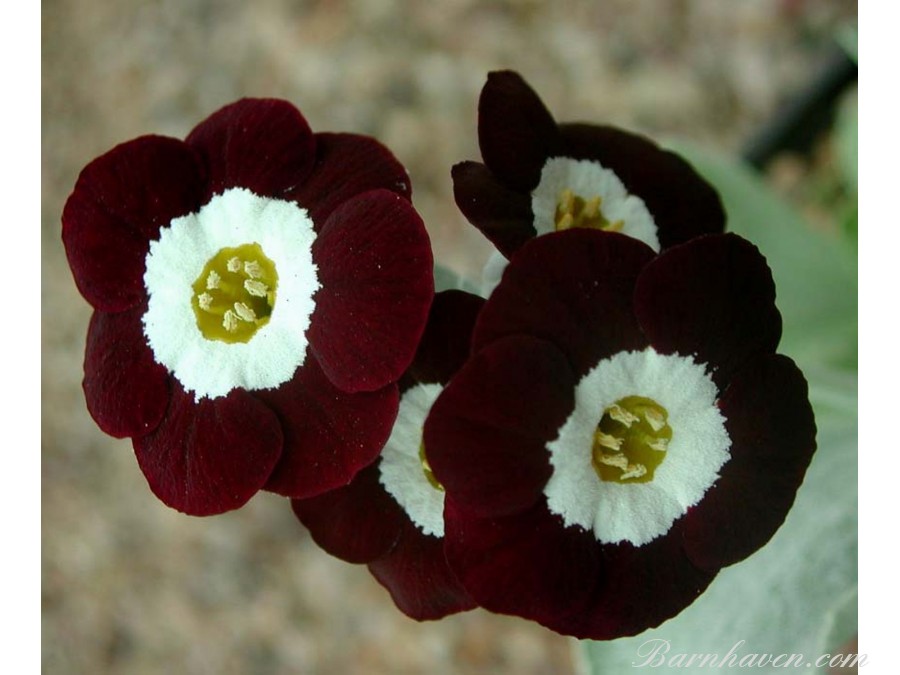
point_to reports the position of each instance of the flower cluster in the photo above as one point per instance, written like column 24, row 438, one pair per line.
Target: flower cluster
column 586, row 448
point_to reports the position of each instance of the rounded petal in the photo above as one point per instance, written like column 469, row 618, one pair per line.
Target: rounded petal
column 487, row 432
column 516, row 132
column 574, row 289
column 347, row 165
column 683, row 205
column 329, row 435
column 419, row 579
column 263, row 145
column 528, row 564
column 119, row 203
column 714, row 298
column 126, row 391
column 639, row 588
column 356, row 523
column 375, row 268
column 773, row 437
column 445, row 344
column 210, row 456
column 502, row 214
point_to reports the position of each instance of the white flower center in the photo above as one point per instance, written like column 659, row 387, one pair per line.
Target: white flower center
column 699, row 447
column 212, row 368
column 583, row 193
column 403, row 474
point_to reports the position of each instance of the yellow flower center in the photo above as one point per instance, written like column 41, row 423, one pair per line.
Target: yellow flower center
column 631, row 440
column 235, row 293
column 426, row 469
column 573, row 210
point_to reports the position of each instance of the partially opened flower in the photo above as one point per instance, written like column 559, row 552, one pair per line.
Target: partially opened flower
column 623, row 430
column 258, row 290
column 539, row 176
column 392, row 515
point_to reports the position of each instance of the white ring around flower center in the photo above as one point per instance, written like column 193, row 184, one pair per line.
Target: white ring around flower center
column 700, row 446
column 588, row 179
column 211, row 368
column 401, row 471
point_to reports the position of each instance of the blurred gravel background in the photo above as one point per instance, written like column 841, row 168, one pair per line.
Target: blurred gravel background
column 132, row 587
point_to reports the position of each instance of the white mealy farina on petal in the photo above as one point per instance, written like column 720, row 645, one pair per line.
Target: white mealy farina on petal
column 639, row 512
column 211, row 368
column 401, row 470
column 588, row 179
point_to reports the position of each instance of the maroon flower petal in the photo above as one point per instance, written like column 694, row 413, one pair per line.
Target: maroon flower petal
column 486, row 434
column 573, row 288
column 347, row 165
column 126, row 391
column 210, row 456
column 375, row 269
column 528, row 564
column 516, row 132
column 502, row 214
column 419, row 579
column 329, row 435
column 639, row 588
column 357, row 523
column 773, row 437
column 263, row 145
column 445, row 344
column 119, row 203
column 714, row 298
column 683, row 205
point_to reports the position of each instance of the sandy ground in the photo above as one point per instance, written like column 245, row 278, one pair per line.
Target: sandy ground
column 132, row 587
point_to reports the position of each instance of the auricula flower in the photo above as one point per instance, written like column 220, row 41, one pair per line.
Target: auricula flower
column 623, row 430
column 257, row 290
column 392, row 515
column 539, row 177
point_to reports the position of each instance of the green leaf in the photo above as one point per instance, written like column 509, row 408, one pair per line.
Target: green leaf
column 815, row 273
column 795, row 595
column 846, row 139
column 848, row 37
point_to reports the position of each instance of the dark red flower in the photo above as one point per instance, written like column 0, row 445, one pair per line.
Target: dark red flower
column 391, row 515
column 539, row 176
column 258, row 290
column 623, row 430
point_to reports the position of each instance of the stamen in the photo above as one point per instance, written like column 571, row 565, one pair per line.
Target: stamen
column 244, row 312
column 253, row 269
column 213, row 280
column 205, row 301
column 592, row 207
column 256, row 288
column 565, row 223
column 619, row 414
column 618, row 461
column 234, row 264
column 660, row 444
column 634, row 471
column 607, row 440
column 654, row 418
column 230, row 321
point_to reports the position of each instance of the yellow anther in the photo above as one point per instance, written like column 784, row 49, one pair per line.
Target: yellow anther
column 618, row 461
column 659, row 445
column 205, row 301
column 244, row 312
column 234, row 264
column 607, row 440
column 654, row 418
column 637, row 432
column 213, row 280
column 622, row 416
column 230, row 321
column 634, row 471
column 252, row 269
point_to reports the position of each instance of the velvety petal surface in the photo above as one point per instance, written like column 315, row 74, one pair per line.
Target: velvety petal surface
column 713, row 298
column 375, row 268
column 501, row 213
column 516, row 132
column 528, row 564
column 683, row 205
column 773, row 437
column 639, row 588
column 263, row 145
column 573, row 289
column 119, row 203
column 329, row 434
column 347, row 165
column 210, row 456
column 445, row 344
column 419, row 579
column 357, row 523
column 487, row 432
column 126, row 391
